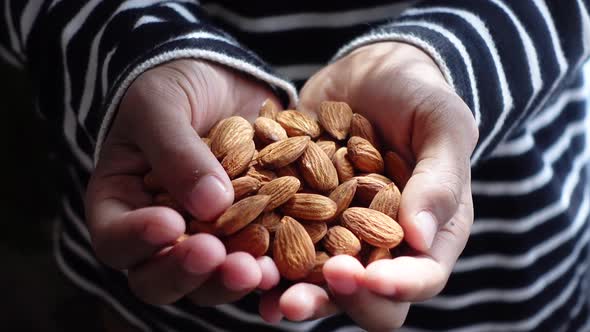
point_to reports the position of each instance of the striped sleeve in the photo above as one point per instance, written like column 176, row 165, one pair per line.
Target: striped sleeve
column 506, row 59
column 82, row 55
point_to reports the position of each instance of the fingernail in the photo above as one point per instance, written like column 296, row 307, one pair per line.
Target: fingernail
column 344, row 286
column 427, row 225
column 208, row 195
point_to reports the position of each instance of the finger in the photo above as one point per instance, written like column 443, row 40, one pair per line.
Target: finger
column 236, row 277
column 304, row 301
column 122, row 238
column 269, row 308
column 420, row 278
column 443, row 140
column 344, row 275
column 270, row 274
column 179, row 159
column 172, row 274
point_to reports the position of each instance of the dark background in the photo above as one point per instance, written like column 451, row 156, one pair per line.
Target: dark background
column 35, row 296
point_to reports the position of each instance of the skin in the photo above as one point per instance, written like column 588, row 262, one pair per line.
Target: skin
column 160, row 119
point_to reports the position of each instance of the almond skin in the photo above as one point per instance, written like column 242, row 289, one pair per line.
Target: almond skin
column 268, row 131
column 343, row 196
column 232, row 132
column 361, row 127
column 240, row 214
column 165, row 199
column 207, row 141
column 316, row 276
column 289, row 170
column 317, row 169
column 280, row 190
column 282, row 153
column 151, row 183
column 373, row 227
column 298, row 124
column 329, row 147
column 269, row 109
column 335, row 117
column 364, row 156
column 244, row 186
column 262, row 175
column 270, row 220
column 367, row 188
column 342, row 163
column 293, row 250
column 397, row 168
column 214, row 129
column 387, row 200
column 253, row 239
column 237, row 159
column 377, row 254
column 310, row 207
column 341, row 241
column 316, row 230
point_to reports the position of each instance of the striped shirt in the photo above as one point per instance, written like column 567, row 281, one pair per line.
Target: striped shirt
column 517, row 65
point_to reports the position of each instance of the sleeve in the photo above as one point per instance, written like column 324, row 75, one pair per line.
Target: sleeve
column 506, row 59
column 83, row 55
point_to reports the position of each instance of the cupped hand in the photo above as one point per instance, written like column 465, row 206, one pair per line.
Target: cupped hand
column 400, row 89
column 157, row 128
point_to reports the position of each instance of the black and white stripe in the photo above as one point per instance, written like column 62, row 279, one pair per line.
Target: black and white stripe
column 516, row 64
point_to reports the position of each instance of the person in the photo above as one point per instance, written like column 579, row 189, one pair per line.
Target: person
column 487, row 98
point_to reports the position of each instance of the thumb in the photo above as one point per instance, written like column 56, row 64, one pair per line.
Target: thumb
column 179, row 158
column 444, row 137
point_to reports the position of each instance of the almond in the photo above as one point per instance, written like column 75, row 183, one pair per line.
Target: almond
column 373, row 227
column 387, row 200
column 316, row 276
column 269, row 109
column 298, row 124
column 165, row 199
column 244, row 186
column 268, row 131
column 379, row 177
column 293, row 250
column 232, row 132
column 364, row 156
column 317, row 169
column 316, row 230
column 238, row 158
column 280, row 190
column 335, row 117
column 361, row 127
column 283, row 152
column 310, row 207
column 240, row 214
column 367, row 188
column 329, row 147
column 342, row 164
column 253, row 239
column 262, row 175
column 289, row 170
column 341, row 241
column 377, row 254
column 343, row 195
column 207, row 141
column 151, row 183
column 397, row 168
column 213, row 130
column 270, row 220
column 182, row 238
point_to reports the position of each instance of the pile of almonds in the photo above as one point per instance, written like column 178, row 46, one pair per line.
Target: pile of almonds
column 305, row 189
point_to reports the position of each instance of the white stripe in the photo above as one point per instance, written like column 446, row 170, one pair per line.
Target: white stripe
column 542, row 177
column 514, row 147
column 14, row 42
column 148, row 19
column 247, row 317
column 28, row 18
column 191, row 317
column 189, row 53
column 75, row 219
column 90, row 287
column 479, row 26
column 548, row 19
column 9, row 58
column 80, row 252
column 182, row 12
column 465, row 56
column 527, row 324
column 53, row 3
column 516, row 294
column 585, row 19
column 542, row 214
column 298, row 72
column 350, row 329
column 467, row 264
column 306, row 20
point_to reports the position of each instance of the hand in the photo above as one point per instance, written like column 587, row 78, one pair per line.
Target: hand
column 403, row 93
column 157, row 127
